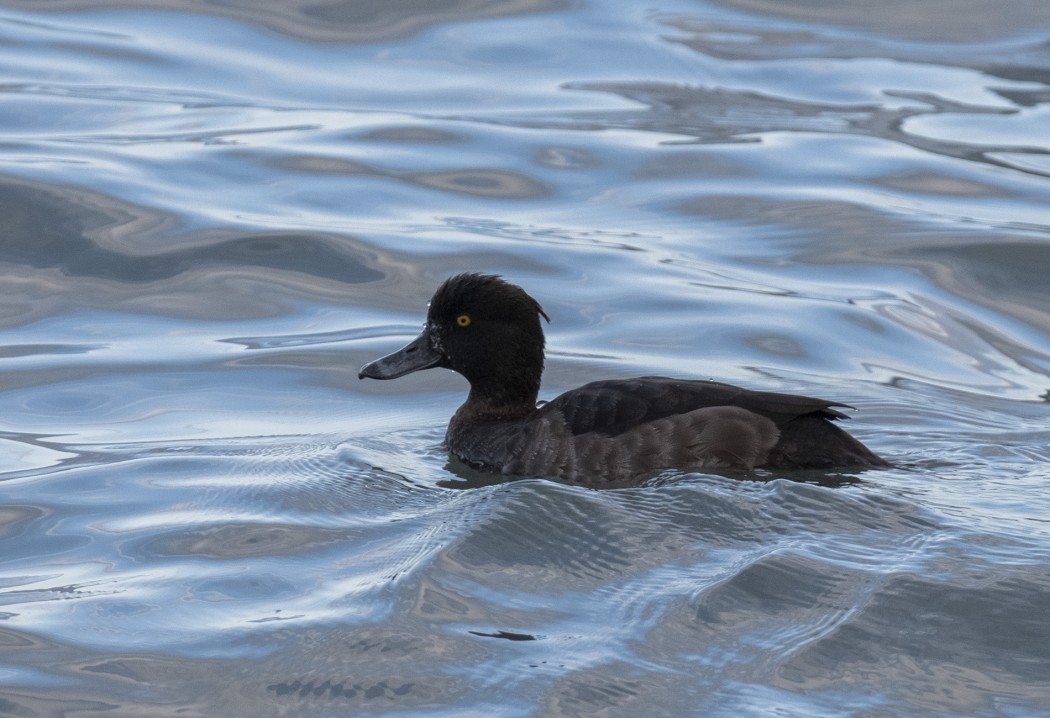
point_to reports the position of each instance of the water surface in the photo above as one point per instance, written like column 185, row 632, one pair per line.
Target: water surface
column 214, row 214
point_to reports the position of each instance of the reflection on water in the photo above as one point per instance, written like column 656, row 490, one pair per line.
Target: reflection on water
column 329, row 20
column 716, row 115
column 968, row 21
column 213, row 214
column 63, row 224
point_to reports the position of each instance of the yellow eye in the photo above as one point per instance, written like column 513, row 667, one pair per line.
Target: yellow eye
column 463, row 320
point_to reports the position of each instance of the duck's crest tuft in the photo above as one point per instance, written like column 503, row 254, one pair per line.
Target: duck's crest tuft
column 489, row 292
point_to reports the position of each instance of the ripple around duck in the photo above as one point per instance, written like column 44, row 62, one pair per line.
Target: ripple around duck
column 628, row 545
column 970, row 643
column 534, row 522
column 620, row 585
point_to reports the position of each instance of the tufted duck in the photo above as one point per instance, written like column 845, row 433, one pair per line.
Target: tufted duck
column 604, row 432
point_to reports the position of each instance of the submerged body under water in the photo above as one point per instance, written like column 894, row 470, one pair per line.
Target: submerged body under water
column 213, row 216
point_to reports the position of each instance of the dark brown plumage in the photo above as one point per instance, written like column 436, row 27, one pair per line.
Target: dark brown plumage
column 608, row 431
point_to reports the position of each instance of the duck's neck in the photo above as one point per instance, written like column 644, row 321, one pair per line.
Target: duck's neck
column 506, row 399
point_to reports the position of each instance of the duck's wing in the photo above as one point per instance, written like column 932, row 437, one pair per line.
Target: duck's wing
column 615, row 406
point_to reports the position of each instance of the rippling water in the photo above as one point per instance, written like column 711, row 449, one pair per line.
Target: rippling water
column 214, row 213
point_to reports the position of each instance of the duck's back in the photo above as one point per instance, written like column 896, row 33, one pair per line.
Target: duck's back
column 614, row 406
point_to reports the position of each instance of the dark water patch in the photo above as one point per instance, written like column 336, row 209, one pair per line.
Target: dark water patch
column 938, row 183
column 46, row 221
column 616, row 688
column 1004, row 271
column 60, row 245
column 780, row 590
column 716, row 115
column 330, row 20
column 339, row 669
column 323, row 165
column 685, row 163
column 953, row 260
column 1026, row 98
column 21, row 703
column 32, row 350
column 234, row 541
column 901, row 18
column 488, row 183
column 66, row 244
column 14, row 519
column 741, row 40
column 412, row 135
column 341, row 689
column 966, row 644
column 230, row 589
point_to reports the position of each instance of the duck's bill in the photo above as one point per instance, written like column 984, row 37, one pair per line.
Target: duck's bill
column 415, row 356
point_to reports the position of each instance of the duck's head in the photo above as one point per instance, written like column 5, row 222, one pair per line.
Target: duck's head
column 486, row 329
